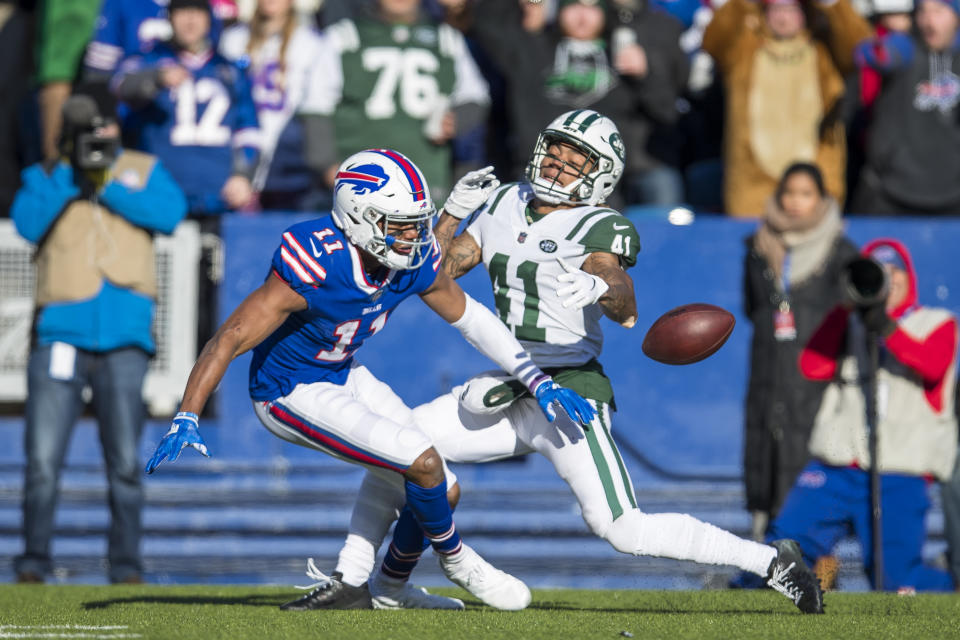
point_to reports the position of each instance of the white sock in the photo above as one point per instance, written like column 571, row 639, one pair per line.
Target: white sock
column 683, row 537
column 378, row 504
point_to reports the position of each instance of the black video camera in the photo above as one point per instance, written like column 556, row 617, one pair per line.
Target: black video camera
column 84, row 138
column 92, row 150
column 865, row 282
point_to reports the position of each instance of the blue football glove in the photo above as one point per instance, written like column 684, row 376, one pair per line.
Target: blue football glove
column 183, row 433
column 576, row 407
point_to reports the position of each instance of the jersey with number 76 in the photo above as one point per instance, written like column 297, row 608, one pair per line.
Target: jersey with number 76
column 393, row 78
column 521, row 253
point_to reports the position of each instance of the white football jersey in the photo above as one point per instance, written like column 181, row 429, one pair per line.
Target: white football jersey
column 521, row 258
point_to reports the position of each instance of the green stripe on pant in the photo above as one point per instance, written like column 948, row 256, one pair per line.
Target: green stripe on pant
column 607, row 478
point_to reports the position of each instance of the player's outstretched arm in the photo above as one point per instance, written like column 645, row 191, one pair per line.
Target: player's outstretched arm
column 250, row 323
column 461, row 253
column 445, row 229
column 493, row 339
column 619, row 303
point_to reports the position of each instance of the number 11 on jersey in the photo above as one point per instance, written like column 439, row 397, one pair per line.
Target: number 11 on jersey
column 527, row 328
column 345, row 332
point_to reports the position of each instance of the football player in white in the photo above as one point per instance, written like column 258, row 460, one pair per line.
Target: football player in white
column 557, row 258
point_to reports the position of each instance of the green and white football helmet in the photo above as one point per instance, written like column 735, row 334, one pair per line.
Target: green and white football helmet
column 594, row 135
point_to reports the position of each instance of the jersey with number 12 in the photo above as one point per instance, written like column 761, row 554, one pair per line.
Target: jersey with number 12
column 522, row 260
column 196, row 126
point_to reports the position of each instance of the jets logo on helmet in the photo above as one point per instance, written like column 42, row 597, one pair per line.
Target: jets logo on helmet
column 365, row 178
column 382, row 203
column 617, row 145
column 598, row 139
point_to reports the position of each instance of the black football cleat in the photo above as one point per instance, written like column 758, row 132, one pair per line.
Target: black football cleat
column 332, row 594
column 789, row 575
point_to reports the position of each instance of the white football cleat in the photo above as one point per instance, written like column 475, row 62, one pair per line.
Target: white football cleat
column 494, row 587
column 389, row 593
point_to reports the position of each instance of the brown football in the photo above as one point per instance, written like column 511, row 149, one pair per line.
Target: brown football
column 688, row 334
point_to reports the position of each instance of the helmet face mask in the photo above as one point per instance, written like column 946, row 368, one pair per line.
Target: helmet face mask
column 389, row 245
column 379, row 197
column 593, row 136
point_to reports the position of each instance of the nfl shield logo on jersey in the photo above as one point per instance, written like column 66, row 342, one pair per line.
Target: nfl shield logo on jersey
column 522, row 237
column 365, row 178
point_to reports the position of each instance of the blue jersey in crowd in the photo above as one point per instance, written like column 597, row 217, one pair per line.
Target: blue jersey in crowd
column 196, row 127
column 344, row 308
column 130, row 27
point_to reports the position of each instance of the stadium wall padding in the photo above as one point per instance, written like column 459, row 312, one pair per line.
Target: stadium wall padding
column 685, row 418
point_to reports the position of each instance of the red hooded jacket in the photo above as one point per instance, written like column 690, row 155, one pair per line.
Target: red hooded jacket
column 930, row 358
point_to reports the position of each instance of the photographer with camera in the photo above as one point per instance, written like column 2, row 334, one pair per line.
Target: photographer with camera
column 92, row 214
column 915, row 425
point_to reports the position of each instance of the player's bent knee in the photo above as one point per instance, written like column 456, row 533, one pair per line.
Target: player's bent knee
column 651, row 534
column 623, row 534
column 426, row 470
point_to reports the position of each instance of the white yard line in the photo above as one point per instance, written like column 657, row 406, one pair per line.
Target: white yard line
column 47, row 631
column 28, row 634
column 79, row 627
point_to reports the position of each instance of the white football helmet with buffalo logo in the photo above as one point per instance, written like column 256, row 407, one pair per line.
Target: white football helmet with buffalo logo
column 379, row 187
column 594, row 135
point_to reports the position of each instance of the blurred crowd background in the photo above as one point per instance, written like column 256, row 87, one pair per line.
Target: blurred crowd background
column 714, row 99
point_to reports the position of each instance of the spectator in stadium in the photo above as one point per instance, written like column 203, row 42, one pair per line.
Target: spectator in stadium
column 403, row 80
column 783, row 91
column 634, row 77
column 286, row 63
column 917, row 427
column 16, row 40
column 193, row 109
column 124, row 28
column 887, row 16
column 950, row 501
column 127, row 28
column 64, row 29
column 913, row 148
column 791, row 280
column 92, row 214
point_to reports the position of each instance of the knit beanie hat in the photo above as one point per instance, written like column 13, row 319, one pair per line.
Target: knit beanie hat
column 590, row 3
column 188, row 4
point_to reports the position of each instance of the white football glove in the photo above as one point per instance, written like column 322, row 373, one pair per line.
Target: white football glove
column 470, row 192
column 584, row 288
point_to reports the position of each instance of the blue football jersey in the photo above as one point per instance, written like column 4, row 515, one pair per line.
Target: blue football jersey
column 344, row 308
column 196, row 127
column 129, row 27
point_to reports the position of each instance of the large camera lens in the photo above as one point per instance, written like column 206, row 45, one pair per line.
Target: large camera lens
column 865, row 281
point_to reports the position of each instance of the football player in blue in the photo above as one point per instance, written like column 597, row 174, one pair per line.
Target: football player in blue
column 193, row 109
column 333, row 283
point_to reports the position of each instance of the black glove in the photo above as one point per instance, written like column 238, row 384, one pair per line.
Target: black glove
column 875, row 319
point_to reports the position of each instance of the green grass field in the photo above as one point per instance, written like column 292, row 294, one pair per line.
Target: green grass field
column 154, row 611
